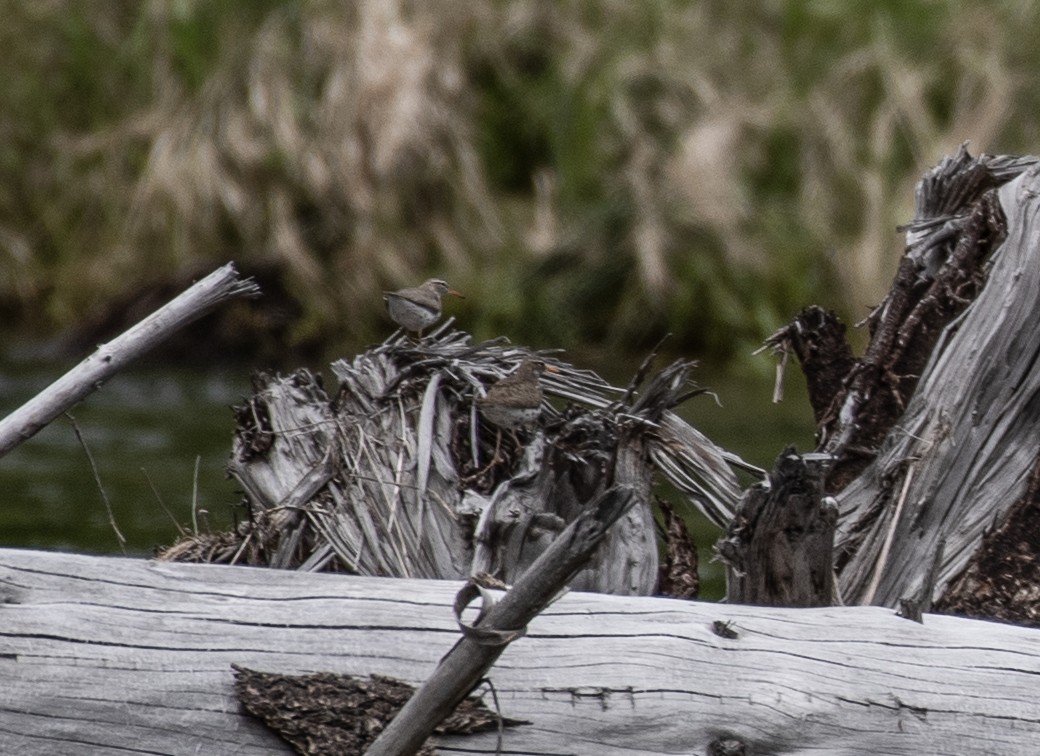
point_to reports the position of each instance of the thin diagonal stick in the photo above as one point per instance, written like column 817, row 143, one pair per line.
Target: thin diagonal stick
column 162, row 504
column 195, row 496
column 97, row 479
column 887, row 545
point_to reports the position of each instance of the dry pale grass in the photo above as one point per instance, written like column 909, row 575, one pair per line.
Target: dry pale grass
column 332, row 144
column 702, row 167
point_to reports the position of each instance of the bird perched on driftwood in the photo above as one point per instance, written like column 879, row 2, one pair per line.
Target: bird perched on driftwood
column 516, row 400
column 417, row 308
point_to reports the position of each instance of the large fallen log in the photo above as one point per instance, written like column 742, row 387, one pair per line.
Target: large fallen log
column 103, row 656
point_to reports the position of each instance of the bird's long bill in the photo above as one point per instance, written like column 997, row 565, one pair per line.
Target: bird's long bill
column 455, row 293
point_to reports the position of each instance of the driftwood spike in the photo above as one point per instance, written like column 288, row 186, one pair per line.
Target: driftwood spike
column 108, row 359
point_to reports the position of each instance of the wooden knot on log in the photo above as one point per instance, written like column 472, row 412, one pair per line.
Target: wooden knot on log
column 727, row 746
column 778, row 548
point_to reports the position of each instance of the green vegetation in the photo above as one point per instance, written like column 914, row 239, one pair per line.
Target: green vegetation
column 594, row 172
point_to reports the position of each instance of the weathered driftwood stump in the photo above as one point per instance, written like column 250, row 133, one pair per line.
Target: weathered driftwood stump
column 933, row 431
column 779, row 547
column 398, row 475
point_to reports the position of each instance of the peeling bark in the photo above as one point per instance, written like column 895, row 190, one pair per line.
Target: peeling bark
column 678, row 575
column 817, row 338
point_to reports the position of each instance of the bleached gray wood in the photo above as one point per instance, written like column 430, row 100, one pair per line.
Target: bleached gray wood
column 961, row 455
column 108, row 359
column 395, row 497
column 105, row 656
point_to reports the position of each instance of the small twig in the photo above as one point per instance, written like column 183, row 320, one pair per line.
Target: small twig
column 781, row 369
column 642, row 373
column 242, row 547
column 195, row 496
column 97, row 479
column 498, row 711
column 875, row 580
column 162, row 504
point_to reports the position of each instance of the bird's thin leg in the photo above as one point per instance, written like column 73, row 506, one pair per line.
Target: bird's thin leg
column 495, row 458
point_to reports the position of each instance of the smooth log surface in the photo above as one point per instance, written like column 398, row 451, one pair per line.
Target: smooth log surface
column 102, row 655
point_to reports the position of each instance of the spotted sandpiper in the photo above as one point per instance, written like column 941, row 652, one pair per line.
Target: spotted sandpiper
column 516, row 400
column 417, row 308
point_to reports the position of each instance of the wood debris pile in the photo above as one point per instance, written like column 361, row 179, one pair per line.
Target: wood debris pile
column 397, row 474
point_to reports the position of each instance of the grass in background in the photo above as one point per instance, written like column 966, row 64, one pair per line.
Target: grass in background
column 594, row 172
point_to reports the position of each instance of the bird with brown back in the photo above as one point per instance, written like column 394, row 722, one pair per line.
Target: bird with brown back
column 419, row 307
column 516, row 400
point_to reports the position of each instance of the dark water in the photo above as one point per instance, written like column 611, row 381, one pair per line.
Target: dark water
column 147, row 429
